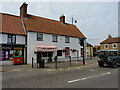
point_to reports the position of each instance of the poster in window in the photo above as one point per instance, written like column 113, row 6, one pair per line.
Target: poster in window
column 6, row 54
column 0, row 55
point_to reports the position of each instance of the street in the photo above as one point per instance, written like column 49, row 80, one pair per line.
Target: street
column 88, row 76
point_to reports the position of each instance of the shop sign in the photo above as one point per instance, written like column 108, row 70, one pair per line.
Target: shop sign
column 18, row 48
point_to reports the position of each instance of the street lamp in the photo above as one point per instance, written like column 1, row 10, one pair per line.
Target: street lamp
column 82, row 44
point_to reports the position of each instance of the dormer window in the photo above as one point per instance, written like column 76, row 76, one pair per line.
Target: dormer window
column 114, row 45
column 106, row 46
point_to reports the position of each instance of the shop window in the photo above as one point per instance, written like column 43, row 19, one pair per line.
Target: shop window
column 44, row 54
column 39, row 37
column 54, row 38
column 50, row 54
column 2, row 54
column 67, row 40
column 7, row 54
column 59, row 52
column 11, row 38
column 47, row 54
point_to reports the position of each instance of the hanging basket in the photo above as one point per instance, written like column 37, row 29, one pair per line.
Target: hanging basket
column 74, row 50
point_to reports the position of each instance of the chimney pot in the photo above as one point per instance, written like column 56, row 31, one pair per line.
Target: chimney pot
column 62, row 19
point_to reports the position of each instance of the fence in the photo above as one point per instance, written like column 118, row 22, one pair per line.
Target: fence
column 57, row 62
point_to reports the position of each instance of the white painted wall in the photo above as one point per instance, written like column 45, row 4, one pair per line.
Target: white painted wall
column 19, row 39
column 3, row 38
column 47, row 40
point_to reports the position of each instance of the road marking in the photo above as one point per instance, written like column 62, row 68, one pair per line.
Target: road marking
column 85, row 78
column 50, row 69
column 14, row 70
column 92, row 70
column 79, row 67
column 60, row 69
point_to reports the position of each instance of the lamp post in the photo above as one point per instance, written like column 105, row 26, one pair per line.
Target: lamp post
column 83, row 53
column 90, row 52
column 82, row 44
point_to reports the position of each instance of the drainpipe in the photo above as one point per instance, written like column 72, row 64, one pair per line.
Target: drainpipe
column 25, row 31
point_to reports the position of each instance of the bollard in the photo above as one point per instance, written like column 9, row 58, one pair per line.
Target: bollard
column 32, row 62
column 55, row 61
column 70, row 61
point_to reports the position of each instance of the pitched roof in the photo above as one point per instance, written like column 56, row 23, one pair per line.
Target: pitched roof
column 43, row 25
column 89, row 45
column 11, row 24
column 111, row 40
column 96, row 46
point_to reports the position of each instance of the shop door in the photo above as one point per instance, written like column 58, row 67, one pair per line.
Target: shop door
column 39, row 55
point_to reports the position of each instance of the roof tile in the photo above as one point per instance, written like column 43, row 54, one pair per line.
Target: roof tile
column 111, row 40
column 11, row 24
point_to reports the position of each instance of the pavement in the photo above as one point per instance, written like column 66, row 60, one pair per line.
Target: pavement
column 48, row 66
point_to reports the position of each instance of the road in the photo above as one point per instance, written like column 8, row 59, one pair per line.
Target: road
column 90, row 76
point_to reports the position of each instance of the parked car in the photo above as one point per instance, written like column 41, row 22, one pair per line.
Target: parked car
column 109, row 57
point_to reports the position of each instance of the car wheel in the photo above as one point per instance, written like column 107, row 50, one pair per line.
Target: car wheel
column 101, row 64
column 114, row 64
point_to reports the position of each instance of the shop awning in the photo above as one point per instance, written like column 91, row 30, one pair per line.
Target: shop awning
column 45, row 48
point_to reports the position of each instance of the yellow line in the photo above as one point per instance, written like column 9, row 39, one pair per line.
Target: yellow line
column 50, row 69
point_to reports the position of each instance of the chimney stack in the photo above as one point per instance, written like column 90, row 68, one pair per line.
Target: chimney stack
column 109, row 36
column 23, row 10
column 62, row 19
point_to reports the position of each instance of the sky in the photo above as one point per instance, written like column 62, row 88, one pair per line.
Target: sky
column 94, row 19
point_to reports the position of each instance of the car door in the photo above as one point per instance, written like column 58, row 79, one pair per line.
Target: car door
column 118, row 59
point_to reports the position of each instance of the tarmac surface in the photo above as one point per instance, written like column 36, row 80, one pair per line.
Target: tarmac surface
column 89, row 75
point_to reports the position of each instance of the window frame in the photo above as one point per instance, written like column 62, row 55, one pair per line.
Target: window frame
column 105, row 46
column 10, row 39
column 39, row 38
column 67, row 37
column 54, row 38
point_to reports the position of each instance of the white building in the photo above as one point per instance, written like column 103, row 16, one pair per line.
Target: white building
column 49, row 38
column 40, row 37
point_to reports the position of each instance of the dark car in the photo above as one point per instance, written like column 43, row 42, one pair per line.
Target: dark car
column 109, row 57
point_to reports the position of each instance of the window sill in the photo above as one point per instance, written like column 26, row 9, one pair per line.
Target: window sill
column 54, row 41
column 67, row 42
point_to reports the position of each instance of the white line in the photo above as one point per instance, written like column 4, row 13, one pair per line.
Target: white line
column 92, row 70
column 73, row 80
column 88, row 77
column 83, row 78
